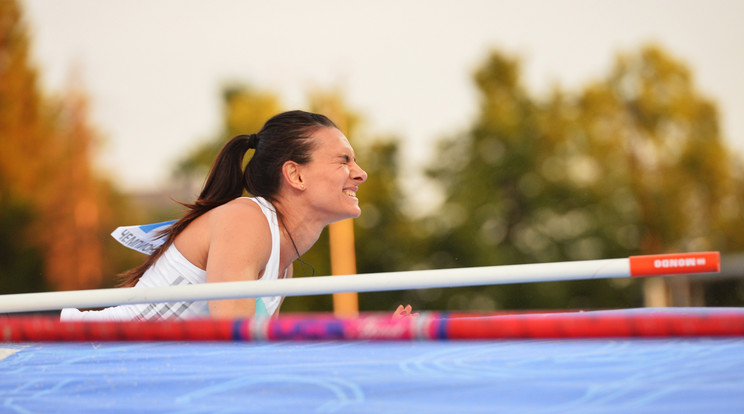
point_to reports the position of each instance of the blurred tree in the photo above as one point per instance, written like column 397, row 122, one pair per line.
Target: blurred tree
column 21, row 122
column 500, row 205
column 653, row 135
column 54, row 211
column 635, row 164
column 66, row 199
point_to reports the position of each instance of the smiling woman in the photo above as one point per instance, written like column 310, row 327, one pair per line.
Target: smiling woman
column 302, row 175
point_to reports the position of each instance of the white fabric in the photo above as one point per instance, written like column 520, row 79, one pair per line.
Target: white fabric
column 174, row 269
column 143, row 239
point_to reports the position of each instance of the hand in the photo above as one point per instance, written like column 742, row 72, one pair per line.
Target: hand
column 402, row 312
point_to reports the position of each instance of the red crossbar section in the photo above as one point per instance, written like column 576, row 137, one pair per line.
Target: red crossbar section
column 427, row 326
column 590, row 326
column 679, row 263
column 45, row 329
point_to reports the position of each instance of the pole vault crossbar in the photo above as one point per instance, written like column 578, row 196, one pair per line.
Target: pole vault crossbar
column 635, row 266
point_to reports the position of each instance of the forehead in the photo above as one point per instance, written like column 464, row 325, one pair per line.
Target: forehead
column 331, row 142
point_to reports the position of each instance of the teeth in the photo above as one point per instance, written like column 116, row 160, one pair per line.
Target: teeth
column 350, row 193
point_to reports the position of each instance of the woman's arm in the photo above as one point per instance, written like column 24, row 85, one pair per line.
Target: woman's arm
column 239, row 248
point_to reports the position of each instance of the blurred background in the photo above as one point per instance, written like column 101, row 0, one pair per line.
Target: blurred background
column 493, row 132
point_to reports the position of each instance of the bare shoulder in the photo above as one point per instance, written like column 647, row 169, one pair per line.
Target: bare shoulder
column 239, row 206
column 239, row 241
column 231, row 229
column 239, row 214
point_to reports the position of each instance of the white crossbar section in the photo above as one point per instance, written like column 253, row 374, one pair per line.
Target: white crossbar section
column 306, row 286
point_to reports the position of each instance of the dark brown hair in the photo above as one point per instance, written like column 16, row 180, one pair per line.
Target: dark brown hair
column 284, row 137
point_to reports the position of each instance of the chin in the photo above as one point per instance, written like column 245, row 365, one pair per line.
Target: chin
column 350, row 215
column 355, row 211
column 353, row 214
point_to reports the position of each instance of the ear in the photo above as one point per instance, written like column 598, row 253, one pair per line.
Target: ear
column 292, row 173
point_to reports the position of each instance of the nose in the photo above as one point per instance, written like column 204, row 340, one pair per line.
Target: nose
column 358, row 174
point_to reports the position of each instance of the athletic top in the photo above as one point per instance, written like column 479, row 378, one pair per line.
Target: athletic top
column 172, row 268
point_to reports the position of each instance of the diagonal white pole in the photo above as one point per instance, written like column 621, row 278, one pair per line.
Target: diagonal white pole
column 421, row 279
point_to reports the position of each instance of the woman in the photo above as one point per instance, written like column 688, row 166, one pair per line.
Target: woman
column 303, row 176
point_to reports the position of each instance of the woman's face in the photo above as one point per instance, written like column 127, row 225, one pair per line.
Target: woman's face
column 332, row 176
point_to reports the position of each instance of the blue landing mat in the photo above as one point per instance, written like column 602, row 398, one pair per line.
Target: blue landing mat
column 698, row 375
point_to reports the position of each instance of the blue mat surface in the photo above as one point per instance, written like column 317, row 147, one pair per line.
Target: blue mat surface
column 694, row 375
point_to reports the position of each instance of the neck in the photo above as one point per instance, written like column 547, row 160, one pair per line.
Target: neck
column 299, row 231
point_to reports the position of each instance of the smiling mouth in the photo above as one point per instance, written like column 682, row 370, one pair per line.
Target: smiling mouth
column 350, row 193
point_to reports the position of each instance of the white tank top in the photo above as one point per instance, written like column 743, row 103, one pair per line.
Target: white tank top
column 172, row 268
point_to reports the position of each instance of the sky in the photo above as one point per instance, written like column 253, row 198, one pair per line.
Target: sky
column 154, row 69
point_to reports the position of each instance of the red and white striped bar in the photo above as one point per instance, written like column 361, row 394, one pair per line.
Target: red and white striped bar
column 684, row 263
column 626, row 323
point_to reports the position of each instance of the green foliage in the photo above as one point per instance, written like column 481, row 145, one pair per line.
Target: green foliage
column 633, row 164
column 661, row 143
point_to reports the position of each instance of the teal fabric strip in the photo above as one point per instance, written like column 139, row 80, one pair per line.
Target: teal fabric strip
column 261, row 308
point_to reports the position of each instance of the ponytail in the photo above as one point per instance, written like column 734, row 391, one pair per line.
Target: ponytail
column 225, row 180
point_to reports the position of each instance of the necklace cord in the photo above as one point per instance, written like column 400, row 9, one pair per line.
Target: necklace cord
column 304, row 263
